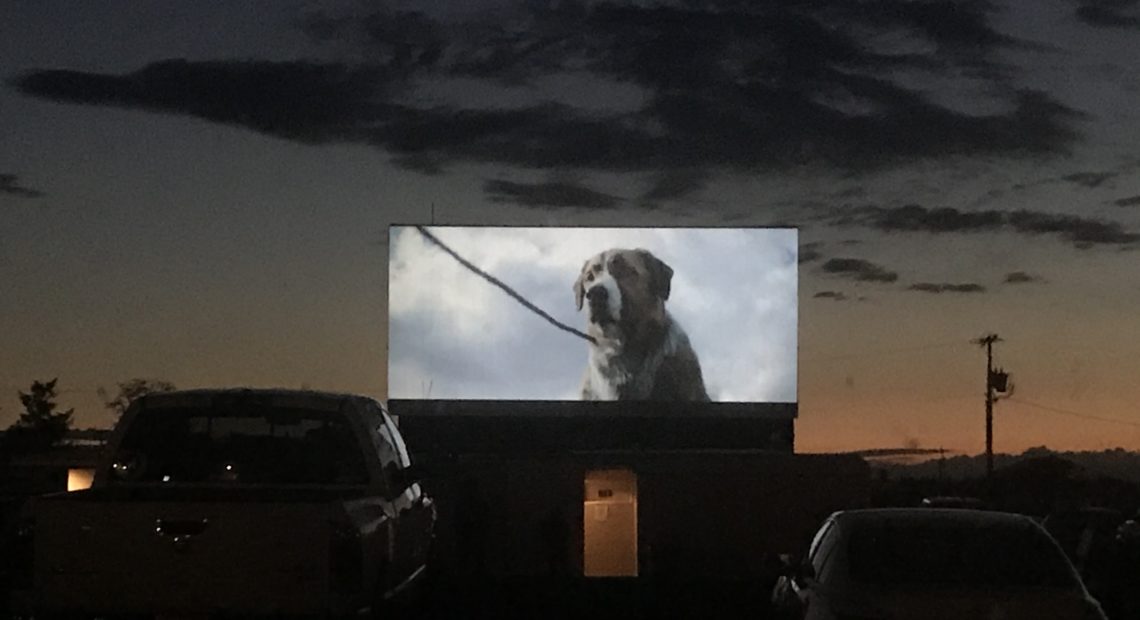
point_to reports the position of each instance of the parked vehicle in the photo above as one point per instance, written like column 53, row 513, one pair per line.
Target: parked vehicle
column 931, row 563
column 1084, row 534
column 1089, row 535
column 235, row 502
column 943, row 501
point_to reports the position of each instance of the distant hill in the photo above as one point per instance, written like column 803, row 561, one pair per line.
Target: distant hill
column 1116, row 463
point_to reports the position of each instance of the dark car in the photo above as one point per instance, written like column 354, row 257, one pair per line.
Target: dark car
column 929, row 564
column 943, row 501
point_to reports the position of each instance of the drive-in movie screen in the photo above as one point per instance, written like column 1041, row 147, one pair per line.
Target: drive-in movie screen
column 593, row 314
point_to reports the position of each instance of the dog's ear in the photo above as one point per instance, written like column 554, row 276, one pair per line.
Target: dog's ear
column 580, row 286
column 660, row 274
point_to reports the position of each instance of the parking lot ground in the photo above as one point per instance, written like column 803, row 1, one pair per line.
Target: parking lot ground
column 596, row 598
column 581, row 599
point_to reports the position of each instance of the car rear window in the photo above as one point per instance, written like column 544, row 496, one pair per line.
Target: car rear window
column 244, row 444
column 953, row 553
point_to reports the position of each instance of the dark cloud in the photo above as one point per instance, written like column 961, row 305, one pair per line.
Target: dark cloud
column 1089, row 179
column 552, row 194
column 931, row 287
column 728, row 86
column 1082, row 232
column 859, row 269
column 325, row 103
column 545, row 136
column 1109, row 13
column 10, row 186
column 939, row 220
column 405, row 41
column 809, row 252
column 836, row 295
column 423, row 164
column 1132, row 201
column 1020, row 277
column 302, row 101
column 674, row 184
column 852, row 192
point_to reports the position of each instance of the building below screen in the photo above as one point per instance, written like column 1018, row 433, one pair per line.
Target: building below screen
column 547, row 488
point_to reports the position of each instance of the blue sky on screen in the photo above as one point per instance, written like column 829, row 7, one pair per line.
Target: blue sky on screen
column 452, row 335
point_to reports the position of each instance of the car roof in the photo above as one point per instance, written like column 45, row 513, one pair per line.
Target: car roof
column 283, row 397
column 968, row 517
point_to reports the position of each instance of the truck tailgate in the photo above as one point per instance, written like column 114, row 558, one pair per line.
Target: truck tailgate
column 155, row 556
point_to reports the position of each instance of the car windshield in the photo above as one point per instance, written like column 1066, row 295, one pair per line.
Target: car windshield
column 957, row 554
column 240, row 445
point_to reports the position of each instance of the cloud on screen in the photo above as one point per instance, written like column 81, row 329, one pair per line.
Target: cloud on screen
column 453, row 335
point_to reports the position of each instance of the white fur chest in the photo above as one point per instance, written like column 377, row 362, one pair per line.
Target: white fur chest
column 612, row 374
column 606, row 372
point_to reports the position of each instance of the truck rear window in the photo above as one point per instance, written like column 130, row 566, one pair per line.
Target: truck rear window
column 246, row 445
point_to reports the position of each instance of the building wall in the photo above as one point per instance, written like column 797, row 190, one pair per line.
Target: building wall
column 508, row 517
column 453, row 431
column 730, row 515
column 709, row 514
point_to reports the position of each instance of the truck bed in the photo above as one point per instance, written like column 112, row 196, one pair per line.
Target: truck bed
column 180, row 551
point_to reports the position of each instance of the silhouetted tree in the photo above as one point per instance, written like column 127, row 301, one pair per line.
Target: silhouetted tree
column 40, row 426
column 130, row 390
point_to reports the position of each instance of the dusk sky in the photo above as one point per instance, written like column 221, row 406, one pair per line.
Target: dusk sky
column 200, row 192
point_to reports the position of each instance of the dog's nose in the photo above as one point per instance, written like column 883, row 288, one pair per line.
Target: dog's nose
column 597, row 294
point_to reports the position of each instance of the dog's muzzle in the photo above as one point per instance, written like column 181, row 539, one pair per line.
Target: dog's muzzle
column 598, row 298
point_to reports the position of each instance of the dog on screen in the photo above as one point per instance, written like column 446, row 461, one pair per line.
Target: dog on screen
column 639, row 351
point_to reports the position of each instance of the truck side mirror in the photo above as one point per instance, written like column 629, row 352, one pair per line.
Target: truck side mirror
column 400, row 478
column 411, row 474
column 789, row 565
column 797, row 569
column 805, row 573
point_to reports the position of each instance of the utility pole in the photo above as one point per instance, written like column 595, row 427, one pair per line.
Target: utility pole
column 995, row 381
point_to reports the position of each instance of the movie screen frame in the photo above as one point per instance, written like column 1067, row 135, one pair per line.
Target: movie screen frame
column 565, row 315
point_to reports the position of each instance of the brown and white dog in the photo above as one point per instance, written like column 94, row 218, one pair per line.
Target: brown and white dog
column 640, row 352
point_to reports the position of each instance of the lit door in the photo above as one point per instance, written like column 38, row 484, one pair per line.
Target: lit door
column 610, row 515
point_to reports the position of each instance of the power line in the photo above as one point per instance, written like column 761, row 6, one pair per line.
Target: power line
column 1075, row 414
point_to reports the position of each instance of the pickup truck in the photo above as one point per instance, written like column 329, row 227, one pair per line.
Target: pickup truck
column 242, row 502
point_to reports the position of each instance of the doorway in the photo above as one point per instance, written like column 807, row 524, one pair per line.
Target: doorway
column 609, row 511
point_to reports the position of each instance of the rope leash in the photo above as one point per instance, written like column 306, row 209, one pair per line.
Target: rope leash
column 506, row 289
